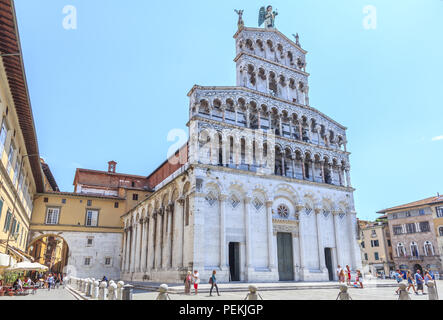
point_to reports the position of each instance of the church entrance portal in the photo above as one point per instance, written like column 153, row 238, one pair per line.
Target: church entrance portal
column 285, row 257
column 234, row 261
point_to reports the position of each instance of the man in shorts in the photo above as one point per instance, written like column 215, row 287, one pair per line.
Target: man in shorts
column 419, row 280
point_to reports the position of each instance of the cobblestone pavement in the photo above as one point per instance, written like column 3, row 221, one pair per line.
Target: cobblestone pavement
column 43, row 294
column 308, row 294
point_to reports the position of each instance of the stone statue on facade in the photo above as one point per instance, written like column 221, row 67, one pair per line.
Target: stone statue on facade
column 267, row 16
column 240, row 22
column 297, row 39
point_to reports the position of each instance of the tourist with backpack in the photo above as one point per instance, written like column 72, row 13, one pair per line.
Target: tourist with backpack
column 213, row 282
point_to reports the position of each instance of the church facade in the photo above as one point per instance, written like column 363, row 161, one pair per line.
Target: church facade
column 261, row 192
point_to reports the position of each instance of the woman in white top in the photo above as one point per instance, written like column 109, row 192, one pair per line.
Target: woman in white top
column 196, row 281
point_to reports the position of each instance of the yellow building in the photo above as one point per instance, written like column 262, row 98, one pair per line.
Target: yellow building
column 376, row 246
column 80, row 233
column 20, row 172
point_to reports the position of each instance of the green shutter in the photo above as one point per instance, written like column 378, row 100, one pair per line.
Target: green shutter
column 1, row 207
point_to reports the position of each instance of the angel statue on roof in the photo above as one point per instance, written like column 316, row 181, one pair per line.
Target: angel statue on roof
column 267, row 16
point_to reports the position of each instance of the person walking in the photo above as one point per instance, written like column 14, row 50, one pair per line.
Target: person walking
column 398, row 277
column 50, row 281
column 348, row 275
column 410, row 281
column 338, row 271
column 188, row 281
column 213, row 282
column 419, row 280
column 196, row 277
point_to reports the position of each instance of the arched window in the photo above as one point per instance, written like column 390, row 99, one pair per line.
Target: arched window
column 429, row 250
column 401, row 252
column 414, row 249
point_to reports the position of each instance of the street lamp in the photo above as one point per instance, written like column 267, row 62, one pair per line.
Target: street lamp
column 15, row 197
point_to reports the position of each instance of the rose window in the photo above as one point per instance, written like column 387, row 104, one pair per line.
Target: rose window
column 283, row 211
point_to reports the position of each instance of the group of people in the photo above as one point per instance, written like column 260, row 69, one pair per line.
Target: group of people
column 194, row 278
column 344, row 276
column 414, row 280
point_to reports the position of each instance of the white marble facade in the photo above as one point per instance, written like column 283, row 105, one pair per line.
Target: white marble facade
column 266, row 187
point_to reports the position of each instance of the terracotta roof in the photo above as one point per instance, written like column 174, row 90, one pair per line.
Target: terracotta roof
column 84, row 195
column 427, row 201
column 49, row 176
column 15, row 72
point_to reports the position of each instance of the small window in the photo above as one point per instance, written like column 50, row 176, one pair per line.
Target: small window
column 107, row 261
column 374, row 243
column 135, row 197
column 116, row 205
column 424, row 226
column 362, row 244
column 45, row 200
column 408, row 214
column 90, row 242
column 64, row 201
column 133, row 184
column 376, row 256
column 89, row 203
column 394, row 216
column 52, row 215
column 421, row 212
column 366, row 256
column 389, row 243
column 91, row 218
column 439, row 212
column 87, row 261
column 440, row 230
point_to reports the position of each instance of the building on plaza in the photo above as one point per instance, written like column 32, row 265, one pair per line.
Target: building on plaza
column 263, row 191
column 375, row 242
column 415, row 237
column 20, row 173
column 80, row 232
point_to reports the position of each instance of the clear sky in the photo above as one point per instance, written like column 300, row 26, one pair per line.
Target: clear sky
column 114, row 87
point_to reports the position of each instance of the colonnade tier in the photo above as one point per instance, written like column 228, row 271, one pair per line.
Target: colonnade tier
column 297, row 125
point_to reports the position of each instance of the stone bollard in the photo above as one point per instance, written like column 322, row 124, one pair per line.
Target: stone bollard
column 82, row 285
column 112, row 291
column 403, row 294
column 120, row 285
column 432, row 291
column 90, row 287
column 127, row 292
column 102, row 291
column 163, row 292
column 95, row 290
column 343, row 294
column 253, row 294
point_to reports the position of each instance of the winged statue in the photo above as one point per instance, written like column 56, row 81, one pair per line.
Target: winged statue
column 267, row 16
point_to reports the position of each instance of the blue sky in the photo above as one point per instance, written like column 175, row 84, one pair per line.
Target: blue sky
column 113, row 88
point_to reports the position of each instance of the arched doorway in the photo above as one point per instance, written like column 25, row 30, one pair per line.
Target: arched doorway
column 50, row 250
column 418, row 267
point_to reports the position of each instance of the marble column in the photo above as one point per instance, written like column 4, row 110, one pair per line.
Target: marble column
column 151, row 252
column 123, row 263
column 138, row 247
column 158, row 240
column 321, row 255
column 303, row 168
column 164, row 245
column 144, row 245
column 301, row 235
column 248, row 249
column 171, row 234
column 270, row 234
column 300, row 131
column 337, row 238
column 223, row 259
column 348, row 178
column 312, row 170
column 133, row 247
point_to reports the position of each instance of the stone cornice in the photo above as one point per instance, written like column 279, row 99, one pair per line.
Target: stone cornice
column 269, row 176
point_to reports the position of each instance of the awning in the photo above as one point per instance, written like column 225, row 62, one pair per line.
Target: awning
column 6, row 261
column 18, row 253
column 28, row 266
